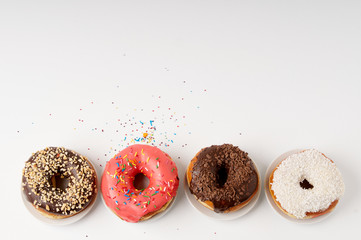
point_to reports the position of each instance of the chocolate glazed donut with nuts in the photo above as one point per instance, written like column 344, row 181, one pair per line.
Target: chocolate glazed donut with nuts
column 222, row 178
column 46, row 170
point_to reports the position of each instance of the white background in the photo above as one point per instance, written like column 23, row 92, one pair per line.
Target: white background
column 268, row 76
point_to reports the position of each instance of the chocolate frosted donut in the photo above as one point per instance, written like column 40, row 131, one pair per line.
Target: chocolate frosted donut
column 42, row 174
column 223, row 178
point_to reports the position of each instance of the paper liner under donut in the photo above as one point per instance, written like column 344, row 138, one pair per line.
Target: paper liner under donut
column 209, row 204
column 308, row 214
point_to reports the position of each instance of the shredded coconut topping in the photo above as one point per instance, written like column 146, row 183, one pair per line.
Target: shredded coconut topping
column 319, row 171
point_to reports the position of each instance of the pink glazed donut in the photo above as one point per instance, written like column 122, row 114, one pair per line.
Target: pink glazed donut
column 119, row 193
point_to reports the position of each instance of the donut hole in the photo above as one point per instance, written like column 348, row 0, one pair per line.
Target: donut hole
column 221, row 176
column 141, row 181
column 59, row 181
column 306, row 184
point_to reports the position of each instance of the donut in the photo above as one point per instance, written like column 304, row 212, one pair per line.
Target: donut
column 306, row 185
column 222, row 178
column 123, row 198
column 46, row 170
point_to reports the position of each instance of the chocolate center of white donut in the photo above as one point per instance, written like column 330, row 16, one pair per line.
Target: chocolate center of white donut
column 306, row 184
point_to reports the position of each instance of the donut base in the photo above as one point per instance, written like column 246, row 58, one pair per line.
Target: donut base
column 151, row 214
column 209, row 204
column 308, row 214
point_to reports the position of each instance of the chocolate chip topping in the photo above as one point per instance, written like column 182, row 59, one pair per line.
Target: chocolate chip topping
column 38, row 181
column 224, row 175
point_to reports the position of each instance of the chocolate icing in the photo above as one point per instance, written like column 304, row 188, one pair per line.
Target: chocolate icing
column 63, row 163
column 224, row 175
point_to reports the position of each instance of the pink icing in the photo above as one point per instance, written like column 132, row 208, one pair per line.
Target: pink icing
column 119, row 193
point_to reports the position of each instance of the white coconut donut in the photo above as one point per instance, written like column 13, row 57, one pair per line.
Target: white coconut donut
column 306, row 184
